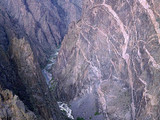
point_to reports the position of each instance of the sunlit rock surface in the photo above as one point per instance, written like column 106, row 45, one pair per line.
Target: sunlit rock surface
column 11, row 108
column 108, row 66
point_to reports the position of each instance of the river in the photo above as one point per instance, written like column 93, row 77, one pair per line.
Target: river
column 47, row 72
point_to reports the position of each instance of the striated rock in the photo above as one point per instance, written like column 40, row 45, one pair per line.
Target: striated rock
column 41, row 21
column 11, row 108
column 20, row 71
column 31, row 76
column 108, row 65
column 9, row 78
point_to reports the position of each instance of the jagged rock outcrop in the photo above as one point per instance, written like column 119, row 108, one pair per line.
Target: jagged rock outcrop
column 31, row 76
column 20, row 71
column 11, row 108
column 9, row 78
column 72, row 9
column 109, row 61
column 41, row 21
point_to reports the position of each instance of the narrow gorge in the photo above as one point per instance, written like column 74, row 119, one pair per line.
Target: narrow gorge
column 79, row 60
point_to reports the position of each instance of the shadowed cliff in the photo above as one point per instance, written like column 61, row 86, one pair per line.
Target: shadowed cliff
column 20, row 70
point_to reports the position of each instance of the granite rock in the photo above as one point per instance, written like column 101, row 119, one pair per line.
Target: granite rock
column 108, row 65
column 11, row 108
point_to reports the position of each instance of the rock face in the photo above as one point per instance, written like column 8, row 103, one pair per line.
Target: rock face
column 31, row 76
column 72, row 9
column 29, row 31
column 11, row 108
column 9, row 78
column 20, row 72
column 108, row 66
column 41, row 21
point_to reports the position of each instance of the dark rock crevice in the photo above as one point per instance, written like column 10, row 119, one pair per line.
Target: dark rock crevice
column 20, row 71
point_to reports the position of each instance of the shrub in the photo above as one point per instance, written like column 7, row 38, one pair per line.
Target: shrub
column 97, row 113
column 79, row 118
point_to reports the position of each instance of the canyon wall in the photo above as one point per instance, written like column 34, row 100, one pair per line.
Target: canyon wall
column 108, row 65
column 72, row 9
column 41, row 20
column 20, row 72
column 30, row 31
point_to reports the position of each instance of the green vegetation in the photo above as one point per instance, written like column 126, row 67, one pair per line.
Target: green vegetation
column 52, row 79
column 97, row 113
column 90, row 118
column 79, row 118
column 53, row 84
column 63, row 111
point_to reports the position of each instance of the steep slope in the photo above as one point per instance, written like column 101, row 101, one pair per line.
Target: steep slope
column 30, row 73
column 41, row 21
column 20, row 72
column 9, row 78
column 72, row 9
column 108, row 65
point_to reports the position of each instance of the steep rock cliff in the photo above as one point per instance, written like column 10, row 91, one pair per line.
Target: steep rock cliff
column 20, row 72
column 9, row 78
column 72, row 9
column 41, row 20
column 30, row 74
column 108, row 65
